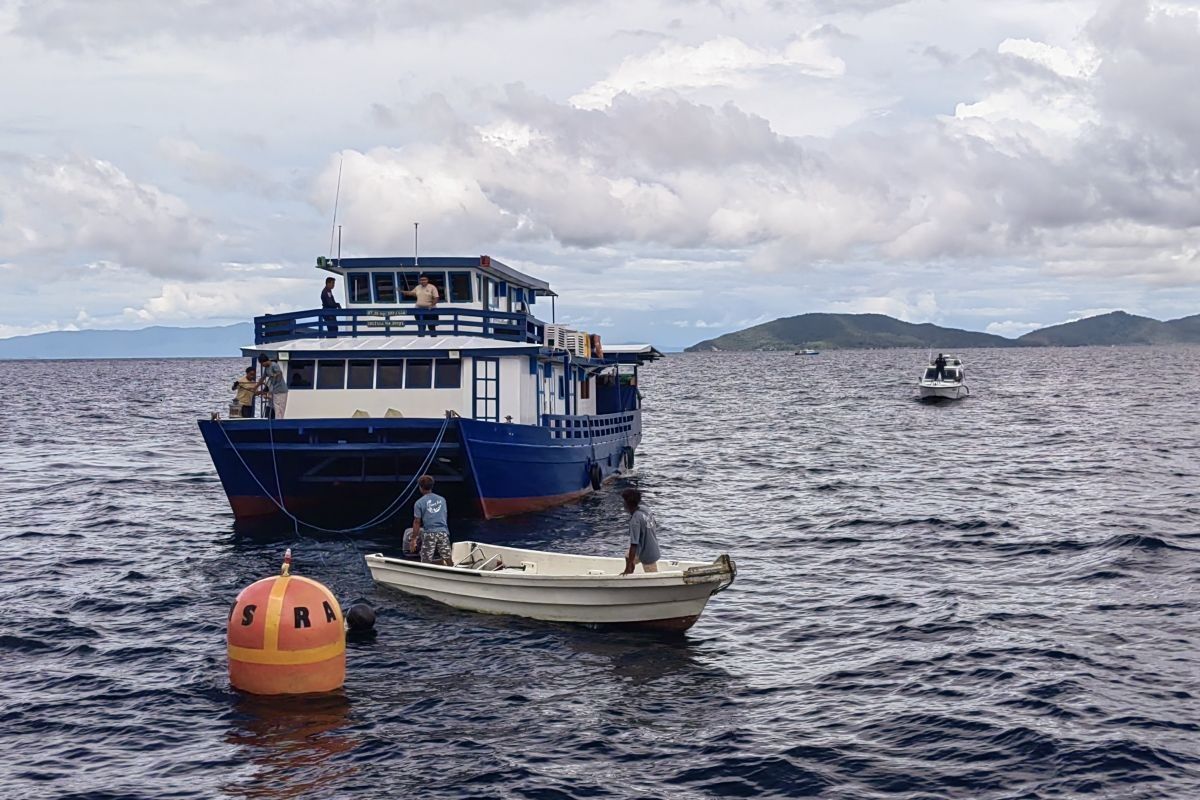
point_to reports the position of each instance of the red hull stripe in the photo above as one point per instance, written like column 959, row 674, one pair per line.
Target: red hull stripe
column 506, row 506
column 246, row 506
column 249, row 506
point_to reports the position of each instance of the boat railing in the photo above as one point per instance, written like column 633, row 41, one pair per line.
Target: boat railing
column 334, row 323
column 597, row 426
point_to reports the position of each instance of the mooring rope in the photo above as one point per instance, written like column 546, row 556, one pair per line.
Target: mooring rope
column 388, row 512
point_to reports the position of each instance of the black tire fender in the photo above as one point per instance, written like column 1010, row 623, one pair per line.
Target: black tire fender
column 595, row 475
column 627, row 457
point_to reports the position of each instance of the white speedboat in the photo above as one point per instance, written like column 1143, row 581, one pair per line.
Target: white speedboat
column 561, row 587
column 808, row 351
column 949, row 385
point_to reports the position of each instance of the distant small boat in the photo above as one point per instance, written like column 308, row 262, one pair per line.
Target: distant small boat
column 807, row 352
column 949, row 385
column 561, row 587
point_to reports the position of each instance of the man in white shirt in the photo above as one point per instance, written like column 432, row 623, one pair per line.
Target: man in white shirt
column 427, row 297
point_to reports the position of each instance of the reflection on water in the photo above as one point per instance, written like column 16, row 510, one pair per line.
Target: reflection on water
column 291, row 745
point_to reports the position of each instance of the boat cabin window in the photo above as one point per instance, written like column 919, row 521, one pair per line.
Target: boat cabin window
column 385, row 287
column 390, row 374
column 418, row 373
column 931, row 374
column 360, row 374
column 360, row 287
column 951, row 374
column 516, row 299
column 331, row 373
column 460, row 288
column 300, row 374
column 447, row 374
column 409, row 280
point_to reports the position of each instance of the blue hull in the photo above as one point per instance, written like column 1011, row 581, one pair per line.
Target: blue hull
column 351, row 472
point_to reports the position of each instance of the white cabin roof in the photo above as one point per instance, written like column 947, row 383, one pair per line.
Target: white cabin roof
column 351, row 344
column 630, row 348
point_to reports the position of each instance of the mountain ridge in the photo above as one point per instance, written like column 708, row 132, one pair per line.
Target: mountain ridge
column 158, row 341
column 865, row 331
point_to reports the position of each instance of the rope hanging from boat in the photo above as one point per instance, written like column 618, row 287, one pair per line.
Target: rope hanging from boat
column 388, row 512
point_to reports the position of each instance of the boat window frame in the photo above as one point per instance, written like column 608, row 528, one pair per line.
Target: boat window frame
column 452, row 294
column 378, row 275
column 447, row 364
column 380, row 363
column 350, row 362
column 322, row 362
column 409, row 364
column 352, row 288
column 298, row 366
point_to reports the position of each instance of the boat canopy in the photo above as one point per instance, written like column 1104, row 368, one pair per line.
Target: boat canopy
column 486, row 264
column 631, row 353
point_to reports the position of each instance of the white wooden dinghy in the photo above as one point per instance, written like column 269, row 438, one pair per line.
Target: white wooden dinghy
column 561, row 587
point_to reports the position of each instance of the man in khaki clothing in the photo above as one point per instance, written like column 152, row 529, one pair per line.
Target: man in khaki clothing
column 427, row 297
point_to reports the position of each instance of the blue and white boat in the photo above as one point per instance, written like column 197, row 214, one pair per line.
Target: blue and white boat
column 508, row 413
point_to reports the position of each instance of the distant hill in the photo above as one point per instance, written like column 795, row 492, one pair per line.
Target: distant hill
column 848, row 331
column 857, row 331
column 1116, row 327
column 155, row 342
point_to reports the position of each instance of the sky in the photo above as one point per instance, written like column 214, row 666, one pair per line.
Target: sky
column 676, row 169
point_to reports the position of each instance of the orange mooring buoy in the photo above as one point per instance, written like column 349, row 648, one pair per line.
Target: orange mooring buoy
column 286, row 636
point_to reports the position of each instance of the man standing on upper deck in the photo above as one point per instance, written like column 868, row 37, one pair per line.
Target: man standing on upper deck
column 643, row 534
column 427, row 299
column 329, row 302
column 275, row 383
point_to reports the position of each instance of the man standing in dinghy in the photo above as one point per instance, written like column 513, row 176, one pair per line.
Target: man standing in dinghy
column 429, row 524
column 643, row 534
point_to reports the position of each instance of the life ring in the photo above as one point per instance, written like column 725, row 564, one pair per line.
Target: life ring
column 595, row 476
column 627, row 457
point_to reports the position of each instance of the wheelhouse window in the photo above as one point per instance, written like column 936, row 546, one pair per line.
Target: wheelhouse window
column 360, row 374
column 407, row 281
column 300, row 374
column 418, row 373
column 390, row 374
column 447, row 374
column 516, row 299
column 460, row 287
column 385, row 287
column 331, row 374
column 360, row 287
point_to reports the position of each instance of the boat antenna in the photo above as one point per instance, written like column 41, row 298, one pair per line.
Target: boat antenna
column 337, row 193
column 416, row 248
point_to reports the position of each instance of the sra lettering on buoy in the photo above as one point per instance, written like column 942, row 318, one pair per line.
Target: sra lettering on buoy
column 286, row 635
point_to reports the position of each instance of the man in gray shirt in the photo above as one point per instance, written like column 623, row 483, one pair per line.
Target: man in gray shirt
column 275, row 383
column 429, row 524
column 643, row 534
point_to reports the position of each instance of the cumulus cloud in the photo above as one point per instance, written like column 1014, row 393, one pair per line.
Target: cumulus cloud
column 77, row 210
column 1012, row 329
column 116, row 23
column 724, row 61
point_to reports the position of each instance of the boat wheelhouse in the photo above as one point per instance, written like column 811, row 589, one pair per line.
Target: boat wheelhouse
column 508, row 413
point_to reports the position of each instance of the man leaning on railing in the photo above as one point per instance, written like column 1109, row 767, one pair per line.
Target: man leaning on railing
column 327, row 302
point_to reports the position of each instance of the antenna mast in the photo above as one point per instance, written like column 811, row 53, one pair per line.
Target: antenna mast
column 336, row 196
column 416, row 248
